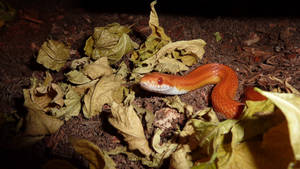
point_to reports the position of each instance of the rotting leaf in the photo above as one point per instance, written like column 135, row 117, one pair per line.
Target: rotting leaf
column 289, row 104
column 110, row 41
column 105, row 91
column 53, row 55
column 130, row 126
column 97, row 158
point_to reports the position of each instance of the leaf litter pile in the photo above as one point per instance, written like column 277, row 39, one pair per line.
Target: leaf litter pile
column 104, row 84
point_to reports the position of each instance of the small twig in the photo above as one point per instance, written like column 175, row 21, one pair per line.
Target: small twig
column 34, row 20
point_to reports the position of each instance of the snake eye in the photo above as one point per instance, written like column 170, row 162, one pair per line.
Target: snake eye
column 160, row 80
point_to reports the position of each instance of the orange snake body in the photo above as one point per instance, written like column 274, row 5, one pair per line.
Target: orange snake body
column 222, row 95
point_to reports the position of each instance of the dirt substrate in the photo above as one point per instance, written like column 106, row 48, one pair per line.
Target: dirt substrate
column 257, row 48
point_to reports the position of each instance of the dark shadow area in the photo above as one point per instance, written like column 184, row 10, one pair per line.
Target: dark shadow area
column 206, row 8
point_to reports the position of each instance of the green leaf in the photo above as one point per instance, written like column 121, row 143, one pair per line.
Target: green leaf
column 218, row 36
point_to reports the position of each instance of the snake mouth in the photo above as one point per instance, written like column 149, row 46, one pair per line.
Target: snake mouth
column 162, row 89
column 154, row 87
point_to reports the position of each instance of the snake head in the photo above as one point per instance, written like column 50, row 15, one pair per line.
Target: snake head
column 160, row 83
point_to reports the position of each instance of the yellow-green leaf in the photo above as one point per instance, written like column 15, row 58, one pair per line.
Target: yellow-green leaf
column 210, row 134
column 258, row 117
column 289, row 104
column 53, row 55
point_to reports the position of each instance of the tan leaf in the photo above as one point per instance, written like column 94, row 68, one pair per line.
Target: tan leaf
column 105, row 91
column 154, row 24
column 37, row 122
column 72, row 105
column 195, row 47
column 110, row 41
column 129, row 125
column 97, row 158
column 181, row 159
column 53, row 55
column 97, row 69
column 77, row 77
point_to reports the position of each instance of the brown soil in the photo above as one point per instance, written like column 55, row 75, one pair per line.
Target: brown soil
column 276, row 53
